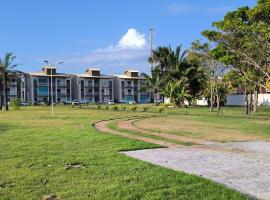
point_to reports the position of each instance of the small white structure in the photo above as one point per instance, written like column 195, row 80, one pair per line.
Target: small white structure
column 239, row 100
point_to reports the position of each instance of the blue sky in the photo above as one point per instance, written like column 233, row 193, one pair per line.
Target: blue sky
column 112, row 35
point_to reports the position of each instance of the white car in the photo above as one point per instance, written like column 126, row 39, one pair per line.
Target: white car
column 110, row 102
column 24, row 103
column 74, row 103
column 131, row 102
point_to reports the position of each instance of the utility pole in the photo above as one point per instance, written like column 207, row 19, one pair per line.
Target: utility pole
column 151, row 44
column 51, row 65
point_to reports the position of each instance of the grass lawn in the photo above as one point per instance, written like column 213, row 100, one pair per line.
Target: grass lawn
column 34, row 149
column 228, row 125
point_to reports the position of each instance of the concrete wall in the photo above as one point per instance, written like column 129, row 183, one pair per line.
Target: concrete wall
column 239, row 100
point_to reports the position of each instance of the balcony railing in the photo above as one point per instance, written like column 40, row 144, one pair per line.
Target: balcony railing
column 43, row 84
column 62, row 85
column 61, row 94
column 89, row 85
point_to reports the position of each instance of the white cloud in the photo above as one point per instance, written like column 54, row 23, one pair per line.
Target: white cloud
column 131, row 51
column 132, row 40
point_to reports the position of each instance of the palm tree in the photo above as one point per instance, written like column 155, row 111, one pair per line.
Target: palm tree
column 177, row 92
column 6, row 66
column 152, row 84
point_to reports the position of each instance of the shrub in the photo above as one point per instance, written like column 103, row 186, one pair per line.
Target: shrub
column 16, row 103
column 133, row 108
column 115, row 108
column 160, row 110
column 106, row 107
column 145, row 109
column 99, row 107
column 124, row 107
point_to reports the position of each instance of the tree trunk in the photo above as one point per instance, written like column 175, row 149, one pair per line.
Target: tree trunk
column 255, row 101
column 218, row 102
column 246, row 102
column 6, row 90
column 251, row 103
column 212, row 97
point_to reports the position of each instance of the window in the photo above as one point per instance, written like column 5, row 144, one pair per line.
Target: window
column 89, row 90
column 58, row 99
column 58, row 90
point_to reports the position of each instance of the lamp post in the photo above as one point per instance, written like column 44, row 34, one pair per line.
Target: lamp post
column 47, row 62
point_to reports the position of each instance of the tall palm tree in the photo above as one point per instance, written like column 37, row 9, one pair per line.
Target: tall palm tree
column 7, row 65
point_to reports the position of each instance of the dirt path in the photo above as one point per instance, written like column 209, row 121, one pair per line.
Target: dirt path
column 129, row 126
column 102, row 126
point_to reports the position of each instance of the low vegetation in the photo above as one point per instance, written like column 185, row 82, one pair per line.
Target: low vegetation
column 66, row 157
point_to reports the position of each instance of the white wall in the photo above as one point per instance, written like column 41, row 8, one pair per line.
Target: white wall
column 239, row 100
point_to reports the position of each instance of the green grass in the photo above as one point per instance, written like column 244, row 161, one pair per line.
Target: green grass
column 35, row 147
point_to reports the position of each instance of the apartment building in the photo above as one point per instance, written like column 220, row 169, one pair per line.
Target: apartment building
column 127, row 87
column 41, row 82
column 92, row 86
column 17, row 85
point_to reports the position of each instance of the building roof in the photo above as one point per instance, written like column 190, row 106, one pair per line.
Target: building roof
column 131, row 70
column 89, row 76
column 129, row 77
column 48, row 75
column 93, row 69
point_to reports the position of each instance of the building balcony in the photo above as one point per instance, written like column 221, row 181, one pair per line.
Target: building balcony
column 62, row 85
column 13, row 84
column 62, row 95
column 89, row 86
column 43, row 84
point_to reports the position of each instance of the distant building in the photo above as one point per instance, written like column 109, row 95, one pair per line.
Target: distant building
column 93, row 87
column 127, row 87
column 18, row 85
column 237, row 97
column 40, row 86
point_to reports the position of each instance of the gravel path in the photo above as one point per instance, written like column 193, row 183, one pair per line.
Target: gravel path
column 244, row 166
column 247, row 172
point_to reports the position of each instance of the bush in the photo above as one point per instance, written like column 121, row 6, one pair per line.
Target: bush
column 99, row 107
column 16, row 103
column 106, row 107
column 145, row 109
column 160, row 110
column 124, row 107
column 133, row 108
column 115, row 108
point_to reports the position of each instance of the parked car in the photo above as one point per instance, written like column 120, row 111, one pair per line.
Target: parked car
column 24, row 103
column 111, row 102
column 75, row 103
column 131, row 102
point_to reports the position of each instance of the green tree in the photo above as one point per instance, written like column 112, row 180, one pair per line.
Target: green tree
column 172, row 66
column 177, row 92
column 245, row 33
column 213, row 69
column 7, row 65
